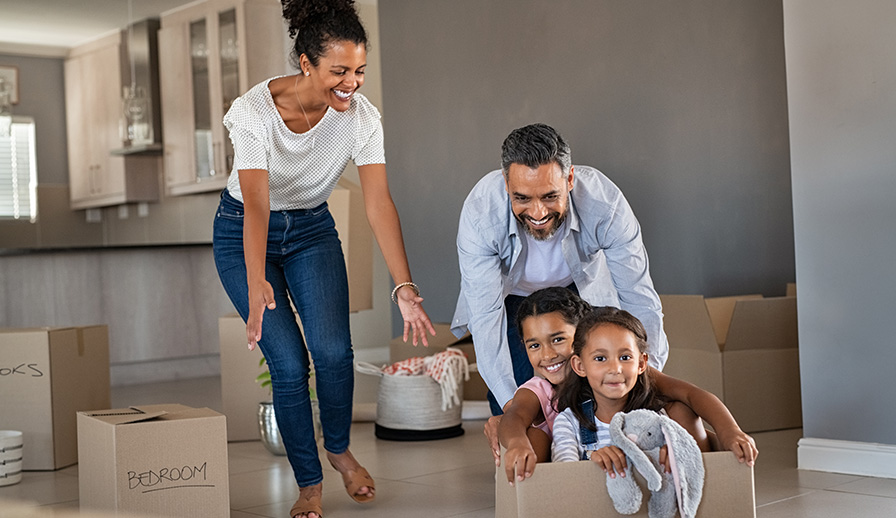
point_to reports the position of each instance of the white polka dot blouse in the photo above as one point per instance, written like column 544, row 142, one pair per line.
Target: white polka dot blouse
column 303, row 168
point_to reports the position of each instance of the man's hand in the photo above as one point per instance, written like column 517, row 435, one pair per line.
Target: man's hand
column 491, row 433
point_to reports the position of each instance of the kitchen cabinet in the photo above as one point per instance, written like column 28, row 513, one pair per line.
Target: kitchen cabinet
column 210, row 52
column 93, row 88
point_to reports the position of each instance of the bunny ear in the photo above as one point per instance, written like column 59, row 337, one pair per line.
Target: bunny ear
column 616, row 425
column 686, row 462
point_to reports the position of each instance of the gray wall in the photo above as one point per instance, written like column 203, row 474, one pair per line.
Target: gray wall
column 41, row 97
column 841, row 76
column 682, row 104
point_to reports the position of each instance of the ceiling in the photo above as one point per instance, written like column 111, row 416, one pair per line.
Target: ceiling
column 50, row 27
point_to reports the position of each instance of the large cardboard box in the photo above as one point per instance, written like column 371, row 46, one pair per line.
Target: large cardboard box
column 580, row 489
column 240, row 393
column 160, row 460
column 475, row 388
column 742, row 349
column 46, row 376
column 347, row 207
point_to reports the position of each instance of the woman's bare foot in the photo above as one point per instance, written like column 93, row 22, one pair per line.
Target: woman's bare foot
column 358, row 483
column 308, row 504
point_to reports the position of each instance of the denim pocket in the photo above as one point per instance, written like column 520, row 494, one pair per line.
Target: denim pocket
column 320, row 209
column 230, row 212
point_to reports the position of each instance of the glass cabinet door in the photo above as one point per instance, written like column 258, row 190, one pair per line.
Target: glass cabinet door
column 203, row 141
column 228, row 45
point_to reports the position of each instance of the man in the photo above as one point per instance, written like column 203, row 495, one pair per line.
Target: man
column 569, row 227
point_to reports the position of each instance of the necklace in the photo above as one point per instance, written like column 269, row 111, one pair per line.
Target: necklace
column 295, row 90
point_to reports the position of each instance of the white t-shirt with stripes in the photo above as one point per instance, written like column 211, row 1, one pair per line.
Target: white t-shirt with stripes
column 303, row 168
column 567, row 444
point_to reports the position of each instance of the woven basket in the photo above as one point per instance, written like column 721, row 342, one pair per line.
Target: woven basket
column 408, row 408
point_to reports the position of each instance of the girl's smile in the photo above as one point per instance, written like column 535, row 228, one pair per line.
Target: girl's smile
column 548, row 342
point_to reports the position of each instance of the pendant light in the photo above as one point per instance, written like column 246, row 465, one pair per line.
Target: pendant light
column 134, row 127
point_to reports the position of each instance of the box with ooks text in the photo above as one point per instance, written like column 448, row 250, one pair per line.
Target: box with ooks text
column 47, row 375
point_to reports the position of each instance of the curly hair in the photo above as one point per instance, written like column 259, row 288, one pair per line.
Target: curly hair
column 315, row 24
column 575, row 390
column 552, row 300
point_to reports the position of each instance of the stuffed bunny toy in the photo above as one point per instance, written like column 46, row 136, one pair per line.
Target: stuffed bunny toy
column 640, row 434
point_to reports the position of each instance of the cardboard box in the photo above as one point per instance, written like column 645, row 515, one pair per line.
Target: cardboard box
column 347, row 207
column 475, row 388
column 240, row 393
column 165, row 460
column 580, row 489
column 742, row 349
column 46, row 376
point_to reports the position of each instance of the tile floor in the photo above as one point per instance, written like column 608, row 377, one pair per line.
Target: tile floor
column 449, row 478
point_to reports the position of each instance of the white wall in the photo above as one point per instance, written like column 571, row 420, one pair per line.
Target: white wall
column 841, row 79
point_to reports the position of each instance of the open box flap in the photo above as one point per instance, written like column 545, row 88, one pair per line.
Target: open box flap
column 687, row 323
column 767, row 323
column 720, row 311
column 118, row 416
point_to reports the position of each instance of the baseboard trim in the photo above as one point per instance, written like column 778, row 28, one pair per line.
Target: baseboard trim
column 849, row 457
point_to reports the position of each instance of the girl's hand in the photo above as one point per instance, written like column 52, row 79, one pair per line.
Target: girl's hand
column 742, row 445
column 664, row 459
column 416, row 321
column 261, row 297
column 521, row 460
column 611, row 459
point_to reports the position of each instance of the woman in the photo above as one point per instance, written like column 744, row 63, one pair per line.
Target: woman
column 275, row 240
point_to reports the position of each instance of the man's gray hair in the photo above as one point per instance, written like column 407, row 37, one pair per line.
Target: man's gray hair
column 533, row 146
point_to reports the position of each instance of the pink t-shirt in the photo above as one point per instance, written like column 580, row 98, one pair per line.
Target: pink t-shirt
column 544, row 391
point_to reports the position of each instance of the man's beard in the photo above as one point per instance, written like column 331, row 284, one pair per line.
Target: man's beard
column 542, row 234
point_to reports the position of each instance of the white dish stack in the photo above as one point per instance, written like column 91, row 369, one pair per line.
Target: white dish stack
column 10, row 457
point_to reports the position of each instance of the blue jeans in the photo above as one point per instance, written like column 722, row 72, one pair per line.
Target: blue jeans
column 304, row 264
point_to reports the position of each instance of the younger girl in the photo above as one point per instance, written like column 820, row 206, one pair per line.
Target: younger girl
column 547, row 322
column 610, row 375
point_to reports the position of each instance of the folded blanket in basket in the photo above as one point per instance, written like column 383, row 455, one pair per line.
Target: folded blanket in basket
column 448, row 368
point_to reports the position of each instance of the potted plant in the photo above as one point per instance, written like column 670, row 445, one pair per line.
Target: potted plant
column 267, row 420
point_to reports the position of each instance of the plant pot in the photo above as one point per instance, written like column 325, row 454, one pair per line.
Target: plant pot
column 270, row 434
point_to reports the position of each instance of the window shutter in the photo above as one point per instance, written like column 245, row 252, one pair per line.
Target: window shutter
column 18, row 172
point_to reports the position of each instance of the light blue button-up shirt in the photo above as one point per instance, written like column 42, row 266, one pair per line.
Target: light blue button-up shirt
column 602, row 247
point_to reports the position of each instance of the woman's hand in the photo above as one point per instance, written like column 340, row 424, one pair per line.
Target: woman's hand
column 261, row 297
column 611, row 459
column 520, row 461
column 742, row 445
column 416, row 321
